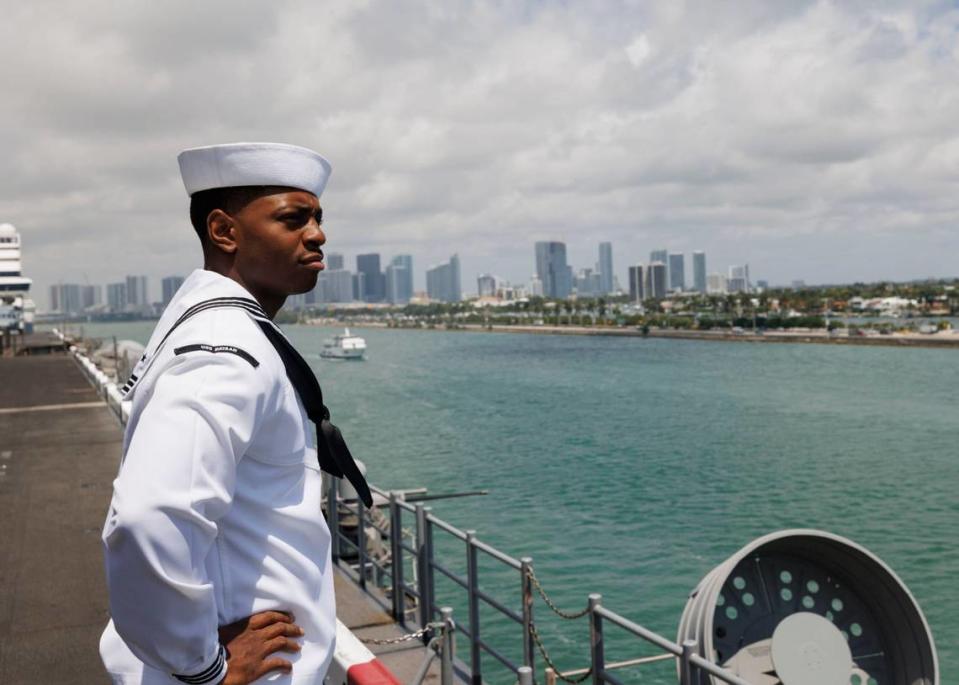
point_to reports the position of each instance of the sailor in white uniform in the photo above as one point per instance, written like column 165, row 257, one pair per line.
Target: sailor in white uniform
column 217, row 552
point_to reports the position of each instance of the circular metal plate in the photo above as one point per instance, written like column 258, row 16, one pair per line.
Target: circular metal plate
column 807, row 649
column 734, row 611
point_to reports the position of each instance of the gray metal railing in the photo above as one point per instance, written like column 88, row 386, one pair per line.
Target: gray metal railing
column 425, row 564
column 424, row 592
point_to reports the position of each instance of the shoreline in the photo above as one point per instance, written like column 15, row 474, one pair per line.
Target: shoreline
column 933, row 341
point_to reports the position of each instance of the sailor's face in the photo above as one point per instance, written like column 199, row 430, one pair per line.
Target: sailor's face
column 278, row 242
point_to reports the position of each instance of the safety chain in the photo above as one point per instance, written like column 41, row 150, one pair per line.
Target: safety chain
column 549, row 662
column 570, row 616
column 404, row 638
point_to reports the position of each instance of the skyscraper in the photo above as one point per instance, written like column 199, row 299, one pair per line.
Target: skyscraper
column 399, row 279
column 396, row 277
column 359, row 286
column 169, row 286
column 456, row 285
column 587, row 282
column 699, row 271
column 137, row 296
column 117, row 297
column 486, row 285
column 443, row 281
column 637, row 289
column 658, row 256
column 656, row 281
column 606, row 268
column 374, row 283
column 65, row 298
column 677, row 272
column 334, row 261
column 552, row 269
column 335, row 285
column 91, row 295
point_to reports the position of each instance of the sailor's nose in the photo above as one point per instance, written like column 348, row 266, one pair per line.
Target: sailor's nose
column 314, row 236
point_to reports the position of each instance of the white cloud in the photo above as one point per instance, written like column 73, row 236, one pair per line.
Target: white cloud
column 639, row 50
column 782, row 134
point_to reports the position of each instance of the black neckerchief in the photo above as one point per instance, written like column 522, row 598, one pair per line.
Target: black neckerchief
column 333, row 454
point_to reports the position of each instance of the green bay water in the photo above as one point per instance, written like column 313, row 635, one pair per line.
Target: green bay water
column 632, row 467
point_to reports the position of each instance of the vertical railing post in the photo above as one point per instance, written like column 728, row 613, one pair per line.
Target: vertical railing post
column 448, row 648
column 430, row 558
column 526, row 565
column 423, row 558
column 396, row 566
column 525, row 674
column 333, row 519
column 472, row 582
column 685, row 667
column 596, row 649
column 361, row 539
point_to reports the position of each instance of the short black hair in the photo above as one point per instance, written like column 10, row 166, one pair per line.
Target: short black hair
column 230, row 200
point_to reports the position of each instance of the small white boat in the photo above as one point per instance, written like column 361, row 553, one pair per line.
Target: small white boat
column 344, row 346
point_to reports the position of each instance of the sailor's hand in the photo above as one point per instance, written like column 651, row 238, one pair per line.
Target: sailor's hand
column 252, row 642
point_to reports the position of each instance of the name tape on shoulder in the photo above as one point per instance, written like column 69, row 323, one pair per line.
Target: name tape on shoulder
column 215, row 349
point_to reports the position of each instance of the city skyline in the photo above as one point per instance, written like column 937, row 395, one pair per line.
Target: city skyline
column 520, row 276
column 789, row 136
column 555, row 276
column 338, row 285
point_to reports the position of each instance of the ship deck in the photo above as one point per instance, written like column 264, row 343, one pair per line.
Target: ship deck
column 59, row 450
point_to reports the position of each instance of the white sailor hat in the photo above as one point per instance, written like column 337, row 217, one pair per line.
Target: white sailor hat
column 253, row 164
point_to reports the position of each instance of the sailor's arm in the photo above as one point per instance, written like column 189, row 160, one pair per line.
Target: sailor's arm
column 176, row 482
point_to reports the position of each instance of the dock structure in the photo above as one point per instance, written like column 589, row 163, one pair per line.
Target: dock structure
column 60, row 446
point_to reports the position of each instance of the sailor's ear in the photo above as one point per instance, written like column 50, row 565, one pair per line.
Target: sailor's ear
column 221, row 230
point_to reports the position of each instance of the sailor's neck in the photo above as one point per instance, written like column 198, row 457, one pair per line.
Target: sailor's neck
column 271, row 302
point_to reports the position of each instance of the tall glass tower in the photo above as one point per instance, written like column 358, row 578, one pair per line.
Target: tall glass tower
column 699, row 271
column 374, row 283
column 399, row 279
column 443, row 281
column 552, row 269
column 677, row 272
column 606, row 268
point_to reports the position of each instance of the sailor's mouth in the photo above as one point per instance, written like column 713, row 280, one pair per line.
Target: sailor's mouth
column 313, row 262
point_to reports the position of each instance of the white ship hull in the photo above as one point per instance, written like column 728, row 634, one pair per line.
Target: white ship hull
column 344, row 346
column 337, row 353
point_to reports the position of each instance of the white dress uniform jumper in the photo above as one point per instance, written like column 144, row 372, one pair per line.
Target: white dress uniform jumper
column 216, row 509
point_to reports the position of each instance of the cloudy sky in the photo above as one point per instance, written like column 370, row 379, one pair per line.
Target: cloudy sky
column 814, row 140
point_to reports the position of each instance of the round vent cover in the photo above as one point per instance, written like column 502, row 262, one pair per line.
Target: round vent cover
column 791, row 607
